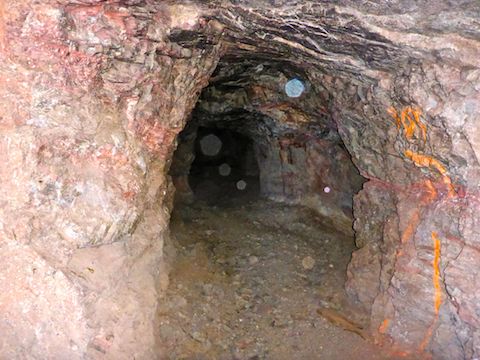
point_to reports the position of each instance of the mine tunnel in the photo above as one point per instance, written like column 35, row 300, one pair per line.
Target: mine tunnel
column 239, row 179
column 261, row 128
column 263, row 207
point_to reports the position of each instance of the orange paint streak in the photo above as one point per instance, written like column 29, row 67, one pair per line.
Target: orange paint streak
column 415, row 219
column 412, row 226
column 410, row 121
column 451, row 189
column 423, row 128
column 408, row 126
column 437, row 302
column 384, row 326
column 426, row 161
column 400, row 353
column 413, row 116
column 427, row 337
column 431, row 189
column 391, row 110
column 432, row 163
column 436, row 271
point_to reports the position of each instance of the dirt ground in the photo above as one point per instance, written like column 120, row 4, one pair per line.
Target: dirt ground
column 248, row 280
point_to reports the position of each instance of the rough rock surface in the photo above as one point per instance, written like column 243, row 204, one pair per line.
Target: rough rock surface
column 249, row 281
column 94, row 92
column 92, row 97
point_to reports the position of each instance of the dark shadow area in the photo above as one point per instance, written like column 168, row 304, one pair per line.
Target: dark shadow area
column 216, row 166
column 224, row 167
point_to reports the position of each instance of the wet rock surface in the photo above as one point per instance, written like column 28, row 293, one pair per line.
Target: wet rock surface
column 248, row 282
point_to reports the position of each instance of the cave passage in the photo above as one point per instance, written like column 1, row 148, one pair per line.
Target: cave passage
column 263, row 232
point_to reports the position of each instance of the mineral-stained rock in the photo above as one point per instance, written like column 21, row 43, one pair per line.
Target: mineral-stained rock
column 88, row 121
column 93, row 94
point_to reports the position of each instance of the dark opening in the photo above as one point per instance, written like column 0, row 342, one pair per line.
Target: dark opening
column 225, row 166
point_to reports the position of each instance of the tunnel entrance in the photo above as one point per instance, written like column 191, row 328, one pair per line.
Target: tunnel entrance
column 262, row 226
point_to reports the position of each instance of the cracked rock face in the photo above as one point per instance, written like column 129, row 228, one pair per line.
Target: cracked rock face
column 92, row 97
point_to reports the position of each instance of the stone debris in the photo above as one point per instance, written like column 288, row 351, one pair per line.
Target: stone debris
column 252, row 260
column 308, row 263
column 243, row 306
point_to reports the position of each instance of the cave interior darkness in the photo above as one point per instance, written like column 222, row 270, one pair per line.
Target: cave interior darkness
column 224, row 164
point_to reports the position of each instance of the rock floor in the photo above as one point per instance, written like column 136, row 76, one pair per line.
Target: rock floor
column 248, row 281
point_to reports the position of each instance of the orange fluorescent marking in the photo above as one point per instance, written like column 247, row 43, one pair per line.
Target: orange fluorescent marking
column 436, row 271
column 409, row 127
column 430, row 162
column 432, row 190
column 451, row 188
column 437, row 289
column 401, row 353
column 423, row 128
column 427, row 337
column 391, row 110
column 413, row 116
column 384, row 326
column 414, row 220
column 426, row 161
column 410, row 121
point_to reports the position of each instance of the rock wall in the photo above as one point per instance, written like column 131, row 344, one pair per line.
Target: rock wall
column 409, row 216
column 92, row 97
column 182, row 161
column 316, row 173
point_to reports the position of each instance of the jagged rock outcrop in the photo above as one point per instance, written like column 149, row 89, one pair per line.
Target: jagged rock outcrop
column 93, row 94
